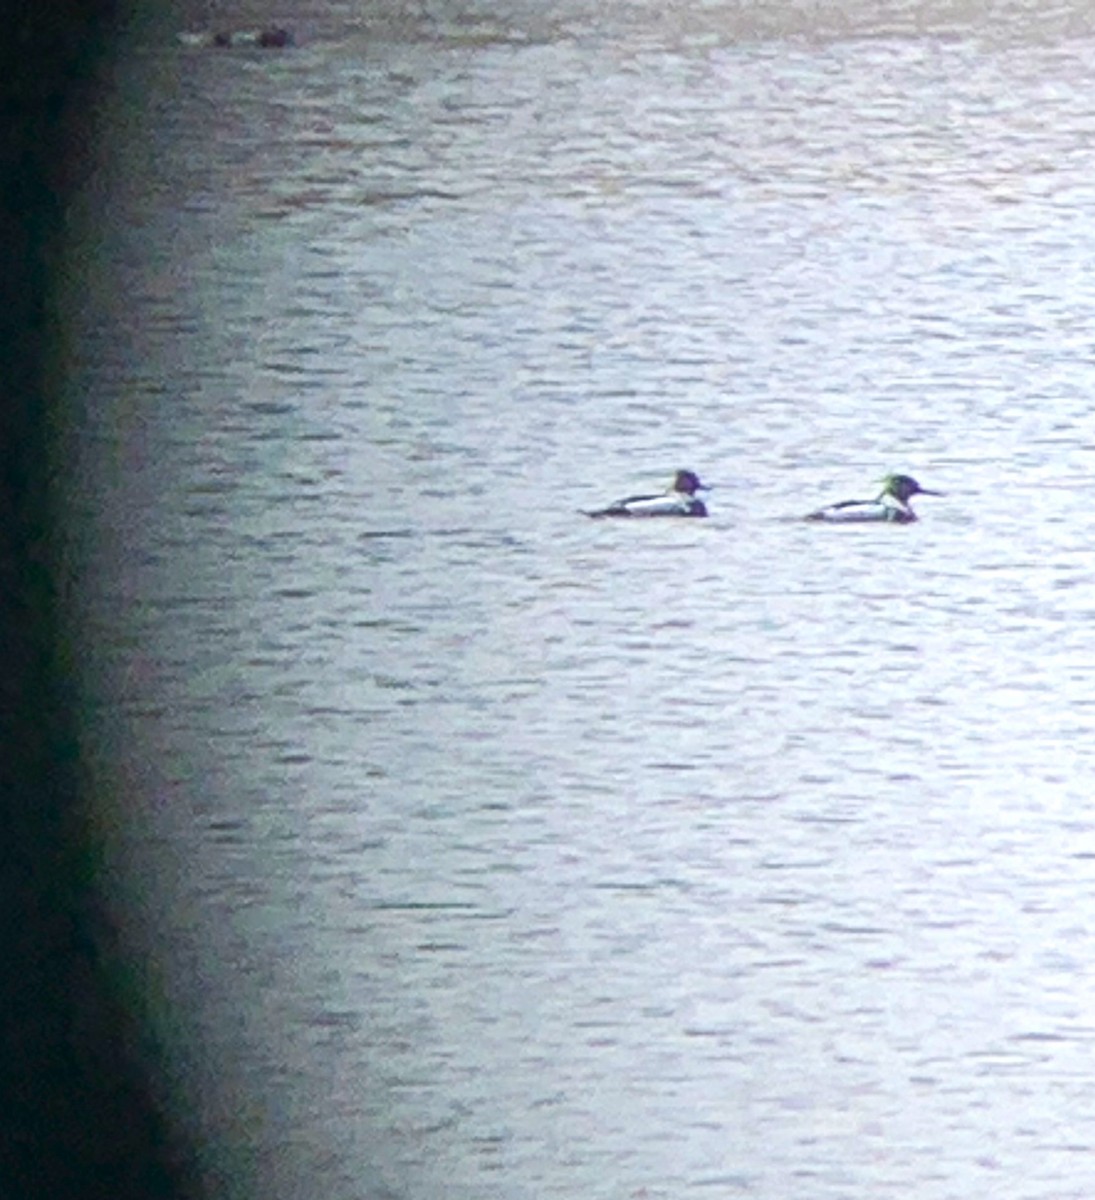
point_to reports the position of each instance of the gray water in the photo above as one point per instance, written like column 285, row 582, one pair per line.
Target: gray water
column 468, row 848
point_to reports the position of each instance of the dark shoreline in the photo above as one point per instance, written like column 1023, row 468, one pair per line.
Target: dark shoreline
column 79, row 1118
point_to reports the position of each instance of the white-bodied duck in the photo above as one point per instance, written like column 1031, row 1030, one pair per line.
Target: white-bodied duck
column 891, row 504
column 679, row 500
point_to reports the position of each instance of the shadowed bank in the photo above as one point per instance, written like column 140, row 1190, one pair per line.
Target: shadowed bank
column 78, row 1117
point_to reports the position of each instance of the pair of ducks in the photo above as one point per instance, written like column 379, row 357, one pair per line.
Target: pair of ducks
column 680, row 500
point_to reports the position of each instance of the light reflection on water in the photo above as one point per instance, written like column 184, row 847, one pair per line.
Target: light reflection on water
column 479, row 850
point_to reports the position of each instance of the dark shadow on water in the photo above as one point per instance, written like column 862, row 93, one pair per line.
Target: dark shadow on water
column 77, row 1116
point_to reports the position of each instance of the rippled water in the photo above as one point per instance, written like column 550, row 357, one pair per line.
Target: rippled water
column 473, row 849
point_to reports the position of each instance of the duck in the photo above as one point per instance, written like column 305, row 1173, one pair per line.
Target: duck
column 271, row 37
column 678, row 500
column 891, row 504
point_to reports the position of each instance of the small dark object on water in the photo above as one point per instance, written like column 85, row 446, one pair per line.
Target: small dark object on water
column 273, row 37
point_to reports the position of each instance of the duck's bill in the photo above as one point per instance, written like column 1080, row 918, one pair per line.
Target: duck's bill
column 931, row 492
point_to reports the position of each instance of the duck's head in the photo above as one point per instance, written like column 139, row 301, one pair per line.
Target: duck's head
column 689, row 483
column 903, row 487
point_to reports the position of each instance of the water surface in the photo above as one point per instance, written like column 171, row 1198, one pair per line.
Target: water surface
column 472, row 849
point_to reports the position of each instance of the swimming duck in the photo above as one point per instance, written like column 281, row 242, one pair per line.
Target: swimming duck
column 891, row 504
column 679, row 500
column 272, row 37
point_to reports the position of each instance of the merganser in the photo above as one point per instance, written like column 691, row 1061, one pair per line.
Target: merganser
column 679, row 500
column 891, row 504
